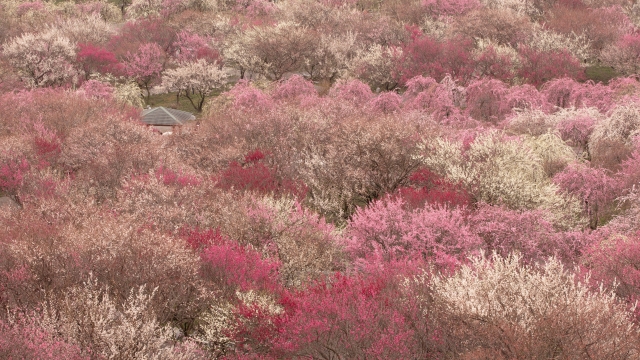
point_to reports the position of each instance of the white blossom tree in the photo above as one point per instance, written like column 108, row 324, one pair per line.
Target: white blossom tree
column 499, row 170
column 579, row 45
column 128, row 93
column 86, row 29
column 329, row 61
column 42, row 59
column 271, row 51
column 376, row 66
column 508, row 310
column 195, row 80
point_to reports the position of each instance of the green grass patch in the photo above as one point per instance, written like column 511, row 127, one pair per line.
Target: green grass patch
column 600, row 73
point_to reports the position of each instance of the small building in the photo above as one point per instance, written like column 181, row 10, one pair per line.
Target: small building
column 166, row 120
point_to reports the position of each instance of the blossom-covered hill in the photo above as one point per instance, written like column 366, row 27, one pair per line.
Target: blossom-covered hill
column 395, row 179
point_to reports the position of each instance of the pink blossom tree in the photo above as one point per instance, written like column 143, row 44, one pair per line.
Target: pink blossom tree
column 387, row 102
column 629, row 174
column 527, row 232
column 191, row 47
column 576, row 130
column 486, row 100
column 563, row 92
column 145, row 65
column 425, row 94
column 623, row 55
column 133, row 34
column 295, row 88
column 95, row 89
column 250, row 99
column 569, row 93
column 595, row 188
column 26, row 340
column 353, row 91
column 386, row 231
column 526, row 96
column 614, row 261
column 12, row 174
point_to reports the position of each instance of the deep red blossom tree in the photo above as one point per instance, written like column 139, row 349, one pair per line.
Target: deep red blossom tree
column 493, row 65
column 253, row 175
column 229, row 266
column 356, row 317
column 429, row 188
column 180, row 178
column 427, row 56
column 539, row 67
column 95, row 59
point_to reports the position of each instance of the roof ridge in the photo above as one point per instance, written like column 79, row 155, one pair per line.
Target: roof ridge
column 166, row 116
column 170, row 114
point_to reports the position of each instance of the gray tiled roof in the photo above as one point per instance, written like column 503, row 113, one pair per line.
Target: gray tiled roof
column 163, row 116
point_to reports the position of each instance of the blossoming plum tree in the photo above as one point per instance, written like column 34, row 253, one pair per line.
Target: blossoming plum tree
column 195, row 80
column 43, row 59
column 498, row 170
column 362, row 316
column 385, row 231
column 509, row 308
column 145, row 65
